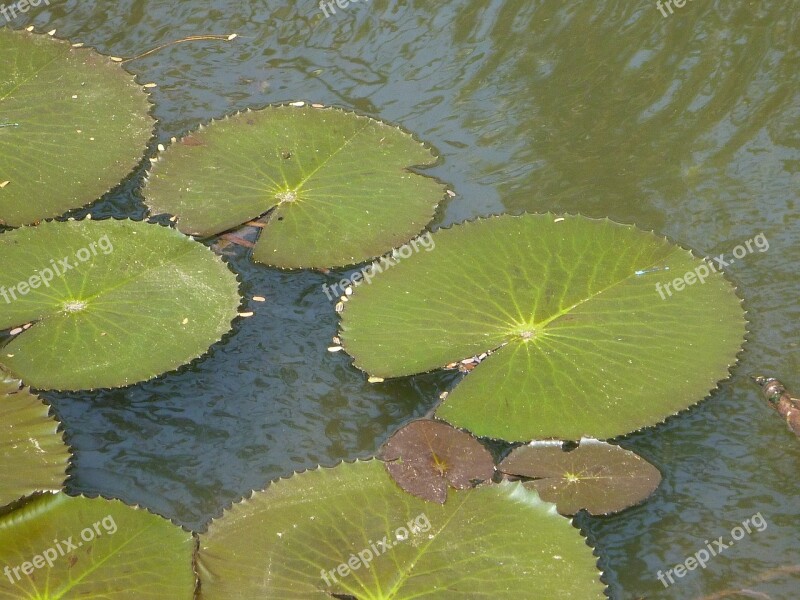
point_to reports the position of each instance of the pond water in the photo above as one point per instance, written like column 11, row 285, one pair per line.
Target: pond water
column 687, row 124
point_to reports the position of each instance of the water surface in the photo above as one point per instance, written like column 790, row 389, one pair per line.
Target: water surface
column 685, row 125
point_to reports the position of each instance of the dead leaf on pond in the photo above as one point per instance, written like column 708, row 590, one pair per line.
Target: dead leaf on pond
column 426, row 456
column 599, row 477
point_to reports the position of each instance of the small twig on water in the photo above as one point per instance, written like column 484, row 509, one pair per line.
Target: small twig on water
column 191, row 38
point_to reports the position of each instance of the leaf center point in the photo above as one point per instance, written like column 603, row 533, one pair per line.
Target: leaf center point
column 286, row 196
column 74, row 306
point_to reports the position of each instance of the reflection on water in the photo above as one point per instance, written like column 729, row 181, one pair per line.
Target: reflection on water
column 687, row 125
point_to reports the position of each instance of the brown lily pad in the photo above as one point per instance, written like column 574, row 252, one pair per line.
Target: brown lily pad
column 426, row 457
column 596, row 476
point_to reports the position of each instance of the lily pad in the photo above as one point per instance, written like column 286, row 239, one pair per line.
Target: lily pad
column 57, row 546
column 124, row 301
column 596, row 476
column 72, row 125
column 336, row 185
column 350, row 532
column 426, row 457
column 33, row 456
column 584, row 344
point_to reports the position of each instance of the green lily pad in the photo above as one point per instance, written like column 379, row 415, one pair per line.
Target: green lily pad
column 137, row 300
column 350, row 532
column 584, row 344
column 426, row 457
column 337, row 184
column 72, row 125
column 596, row 476
column 33, row 456
column 59, row 547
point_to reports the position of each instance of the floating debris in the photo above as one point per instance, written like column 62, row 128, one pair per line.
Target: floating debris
column 777, row 396
column 259, row 299
column 335, row 348
column 376, row 380
column 239, row 241
column 468, row 364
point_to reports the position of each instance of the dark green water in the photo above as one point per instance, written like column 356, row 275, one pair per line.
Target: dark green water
column 688, row 125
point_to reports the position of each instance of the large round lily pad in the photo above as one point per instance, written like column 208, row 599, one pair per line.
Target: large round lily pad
column 33, row 456
column 350, row 532
column 596, row 476
column 338, row 184
column 60, row 547
column 112, row 302
column 584, row 344
column 72, row 125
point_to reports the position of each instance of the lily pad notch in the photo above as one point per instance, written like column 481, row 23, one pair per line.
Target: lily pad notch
column 331, row 188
